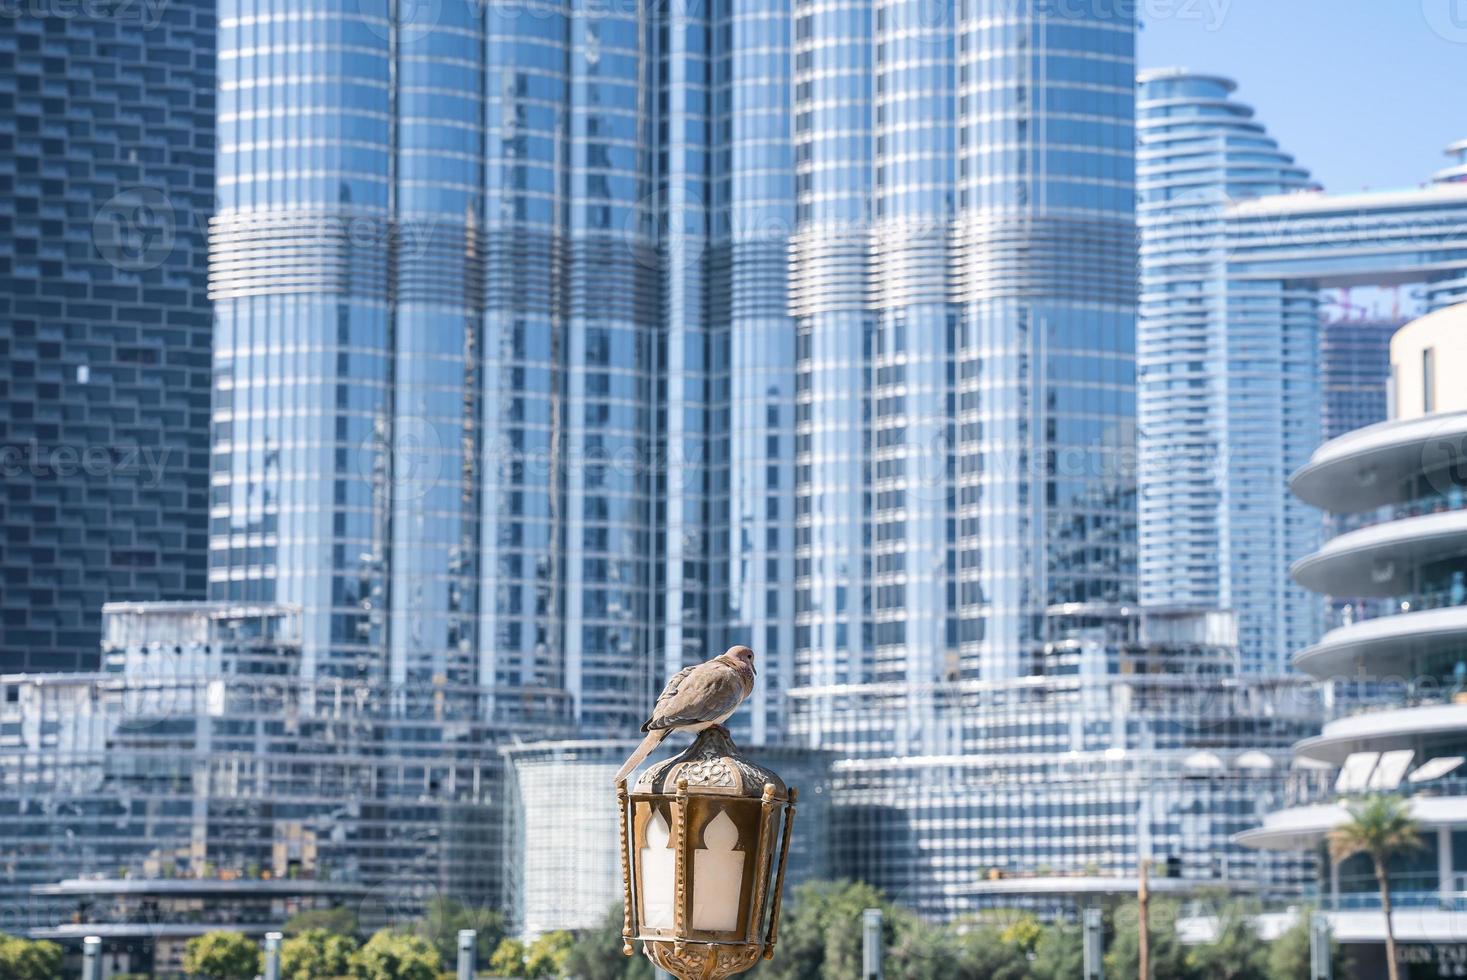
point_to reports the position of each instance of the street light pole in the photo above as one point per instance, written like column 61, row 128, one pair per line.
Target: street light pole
column 1143, row 924
column 467, row 938
column 871, row 944
column 1094, row 946
column 92, row 958
column 1320, row 967
column 272, row 955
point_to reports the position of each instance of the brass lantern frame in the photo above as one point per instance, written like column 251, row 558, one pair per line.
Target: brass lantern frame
column 708, row 780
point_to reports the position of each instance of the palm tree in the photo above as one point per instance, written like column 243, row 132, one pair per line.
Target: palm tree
column 1380, row 826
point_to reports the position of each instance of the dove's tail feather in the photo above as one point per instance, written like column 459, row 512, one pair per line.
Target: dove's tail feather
column 654, row 738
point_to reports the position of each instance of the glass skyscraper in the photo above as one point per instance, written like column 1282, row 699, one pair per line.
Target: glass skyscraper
column 436, row 294
column 963, row 287
column 1236, row 244
column 1229, row 391
column 560, row 346
column 106, row 179
column 513, row 352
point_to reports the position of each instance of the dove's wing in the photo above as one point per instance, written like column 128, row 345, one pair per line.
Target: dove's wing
column 705, row 693
column 669, row 692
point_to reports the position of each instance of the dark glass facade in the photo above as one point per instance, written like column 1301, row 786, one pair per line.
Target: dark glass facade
column 106, row 182
column 1354, row 366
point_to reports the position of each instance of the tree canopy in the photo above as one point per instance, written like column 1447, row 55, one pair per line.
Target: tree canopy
column 222, row 956
column 27, row 959
column 316, row 954
column 390, row 955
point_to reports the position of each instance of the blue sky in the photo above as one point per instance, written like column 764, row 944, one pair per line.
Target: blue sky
column 1365, row 93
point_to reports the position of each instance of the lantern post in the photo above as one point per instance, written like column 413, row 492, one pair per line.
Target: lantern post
column 705, row 840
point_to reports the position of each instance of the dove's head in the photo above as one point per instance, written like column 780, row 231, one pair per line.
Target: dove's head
column 742, row 658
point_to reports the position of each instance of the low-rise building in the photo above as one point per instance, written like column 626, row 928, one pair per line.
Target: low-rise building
column 199, row 781
column 1142, row 740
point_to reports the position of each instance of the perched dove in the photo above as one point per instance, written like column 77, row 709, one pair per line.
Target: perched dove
column 696, row 698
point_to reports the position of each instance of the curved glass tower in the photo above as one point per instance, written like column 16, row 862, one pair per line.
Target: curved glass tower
column 1228, row 390
column 962, row 281
column 437, row 325
column 963, row 285
column 1236, row 243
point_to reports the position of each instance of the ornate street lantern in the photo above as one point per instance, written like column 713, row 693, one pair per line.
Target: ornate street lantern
column 705, row 838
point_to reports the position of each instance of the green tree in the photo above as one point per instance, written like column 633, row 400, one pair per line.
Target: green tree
column 920, row 951
column 508, row 959
column 1023, row 933
column 1168, row 955
column 316, row 954
column 547, row 957
column 993, row 952
column 597, row 954
column 444, row 918
column 1236, row 953
column 337, row 921
column 820, row 936
column 1379, row 827
column 222, row 956
column 391, row 955
column 1059, row 954
column 1288, row 955
column 26, row 959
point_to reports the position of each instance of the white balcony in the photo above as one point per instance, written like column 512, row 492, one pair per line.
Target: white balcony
column 1381, row 560
column 1303, row 827
column 1382, row 730
column 1389, row 646
column 1362, row 927
column 1364, row 468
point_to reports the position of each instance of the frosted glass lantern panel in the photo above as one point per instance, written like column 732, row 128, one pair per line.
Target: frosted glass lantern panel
column 718, row 877
column 659, row 887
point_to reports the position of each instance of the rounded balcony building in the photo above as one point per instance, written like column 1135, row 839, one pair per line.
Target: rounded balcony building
column 1395, row 660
